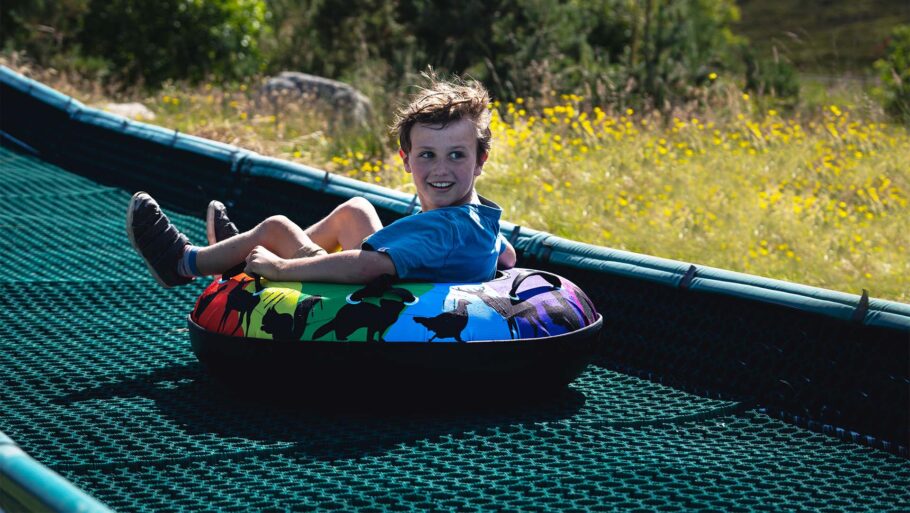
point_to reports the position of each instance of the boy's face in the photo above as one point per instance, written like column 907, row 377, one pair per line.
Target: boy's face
column 443, row 162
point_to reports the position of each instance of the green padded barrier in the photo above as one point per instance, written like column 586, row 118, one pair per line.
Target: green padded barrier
column 821, row 371
column 706, row 279
column 26, row 485
column 326, row 183
column 39, row 91
column 158, row 135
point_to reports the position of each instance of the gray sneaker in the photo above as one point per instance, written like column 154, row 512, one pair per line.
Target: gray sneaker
column 217, row 225
column 158, row 241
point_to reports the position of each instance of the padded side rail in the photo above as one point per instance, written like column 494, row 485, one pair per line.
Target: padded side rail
column 545, row 248
column 26, row 485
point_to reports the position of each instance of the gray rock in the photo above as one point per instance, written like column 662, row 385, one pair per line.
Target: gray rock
column 133, row 110
column 344, row 103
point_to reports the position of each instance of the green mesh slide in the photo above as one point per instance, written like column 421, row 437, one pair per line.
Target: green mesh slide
column 709, row 390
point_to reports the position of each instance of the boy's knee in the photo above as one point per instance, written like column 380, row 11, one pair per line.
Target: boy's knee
column 359, row 203
column 358, row 206
column 276, row 226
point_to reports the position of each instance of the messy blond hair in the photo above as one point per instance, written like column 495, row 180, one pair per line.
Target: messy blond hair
column 445, row 101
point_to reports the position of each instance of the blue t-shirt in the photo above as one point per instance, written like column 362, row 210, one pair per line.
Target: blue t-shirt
column 447, row 245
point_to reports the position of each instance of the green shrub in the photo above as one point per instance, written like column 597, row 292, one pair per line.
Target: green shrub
column 894, row 72
column 644, row 53
column 145, row 41
column 43, row 29
column 774, row 77
column 155, row 40
column 657, row 51
column 333, row 38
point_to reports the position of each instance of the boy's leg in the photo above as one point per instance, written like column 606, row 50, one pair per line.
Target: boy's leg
column 172, row 260
column 278, row 234
column 346, row 226
column 163, row 246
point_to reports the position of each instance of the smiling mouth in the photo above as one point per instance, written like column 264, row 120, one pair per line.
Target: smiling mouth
column 441, row 185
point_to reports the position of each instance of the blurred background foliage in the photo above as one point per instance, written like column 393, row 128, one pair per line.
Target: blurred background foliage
column 894, row 73
column 646, row 54
column 145, row 41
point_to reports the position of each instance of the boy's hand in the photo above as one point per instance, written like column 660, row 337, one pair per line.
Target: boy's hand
column 264, row 263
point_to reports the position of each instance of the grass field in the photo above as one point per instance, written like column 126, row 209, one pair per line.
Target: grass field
column 820, row 196
column 822, row 201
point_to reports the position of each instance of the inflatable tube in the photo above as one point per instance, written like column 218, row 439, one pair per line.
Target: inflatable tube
column 522, row 329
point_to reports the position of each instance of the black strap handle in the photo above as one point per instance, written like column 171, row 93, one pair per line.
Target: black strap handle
column 859, row 314
column 237, row 269
column 234, row 271
column 551, row 278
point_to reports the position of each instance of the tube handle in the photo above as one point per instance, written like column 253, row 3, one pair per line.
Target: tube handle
column 551, row 278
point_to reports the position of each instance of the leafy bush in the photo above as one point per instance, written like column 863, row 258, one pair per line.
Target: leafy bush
column 682, row 42
column 154, row 40
column 657, row 53
column 143, row 40
column 613, row 50
column 333, row 38
column 42, row 28
column 894, row 72
column 774, row 77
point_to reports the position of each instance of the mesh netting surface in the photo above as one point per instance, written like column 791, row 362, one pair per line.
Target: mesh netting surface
column 97, row 381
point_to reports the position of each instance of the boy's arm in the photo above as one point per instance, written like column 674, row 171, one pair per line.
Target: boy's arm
column 508, row 257
column 354, row 266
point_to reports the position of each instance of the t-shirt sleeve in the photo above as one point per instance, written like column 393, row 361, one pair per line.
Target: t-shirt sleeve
column 501, row 243
column 414, row 245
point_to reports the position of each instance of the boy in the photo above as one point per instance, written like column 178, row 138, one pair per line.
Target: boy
column 445, row 139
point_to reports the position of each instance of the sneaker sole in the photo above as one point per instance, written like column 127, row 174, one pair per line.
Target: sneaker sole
column 132, row 238
column 210, row 223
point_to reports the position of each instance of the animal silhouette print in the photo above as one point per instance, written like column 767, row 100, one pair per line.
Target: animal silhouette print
column 357, row 314
column 283, row 326
column 206, row 300
column 241, row 301
column 447, row 324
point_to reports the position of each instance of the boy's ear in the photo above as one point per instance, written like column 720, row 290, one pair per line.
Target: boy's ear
column 482, row 158
column 404, row 158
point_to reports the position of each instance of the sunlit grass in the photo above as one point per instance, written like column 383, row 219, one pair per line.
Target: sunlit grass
column 235, row 116
column 819, row 198
column 822, row 201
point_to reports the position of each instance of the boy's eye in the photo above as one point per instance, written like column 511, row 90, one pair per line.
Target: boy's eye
column 425, row 154
column 455, row 155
